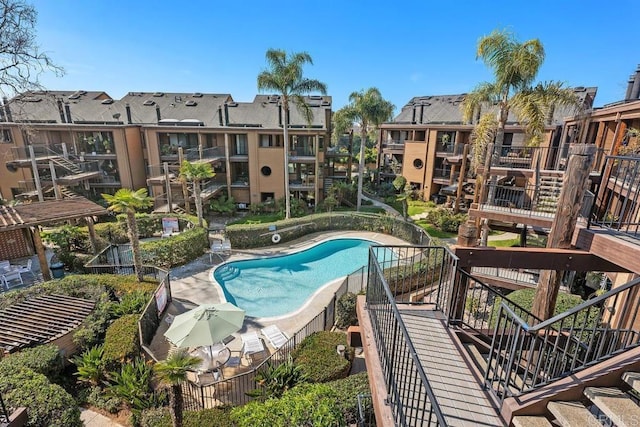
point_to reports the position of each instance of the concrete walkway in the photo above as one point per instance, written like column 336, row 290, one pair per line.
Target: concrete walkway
column 94, row 419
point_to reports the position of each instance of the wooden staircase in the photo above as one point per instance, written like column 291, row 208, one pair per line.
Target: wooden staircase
column 600, row 406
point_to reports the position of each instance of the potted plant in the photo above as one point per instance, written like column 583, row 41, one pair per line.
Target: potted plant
column 107, row 145
column 445, row 141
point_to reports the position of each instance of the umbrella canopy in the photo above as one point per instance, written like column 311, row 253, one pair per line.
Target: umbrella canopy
column 205, row 325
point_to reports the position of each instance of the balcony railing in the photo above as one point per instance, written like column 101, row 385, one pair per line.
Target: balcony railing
column 526, row 354
column 530, row 200
column 399, row 360
column 617, row 207
column 393, row 144
column 193, row 154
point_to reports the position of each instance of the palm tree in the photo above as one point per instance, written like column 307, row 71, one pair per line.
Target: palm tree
column 285, row 76
column 173, row 372
column 128, row 202
column 515, row 66
column 366, row 108
column 195, row 173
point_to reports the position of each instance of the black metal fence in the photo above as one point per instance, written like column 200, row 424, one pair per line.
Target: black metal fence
column 4, row 414
column 233, row 390
column 526, row 354
column 411, row 398
column 617, row 206
column 366, row 414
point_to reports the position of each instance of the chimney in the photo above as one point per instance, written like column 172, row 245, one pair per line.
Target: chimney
column 226, row 114
column 67, row 109
column 279, row 115
column 627, row 95
column 413, row 114
column 635, row 91
column 158, row 113
column 7, row 109
column 127, row 107
column 61, row 110
column 421, row 112
column 220, row 115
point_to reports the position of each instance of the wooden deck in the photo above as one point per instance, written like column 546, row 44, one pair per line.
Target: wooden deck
column 458, row 391
column 512, row 215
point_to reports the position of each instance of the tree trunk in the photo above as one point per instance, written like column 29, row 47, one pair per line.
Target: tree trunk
column 287, row 199
column 132, row 227
column 92, row 236
column 363, row 141
column 175, row 405
column 564, row 223
column 198, row 200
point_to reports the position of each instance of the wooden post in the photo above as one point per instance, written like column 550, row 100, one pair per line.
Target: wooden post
column 54, row 180
column 569, row 203
column 461, row 179
column 36, row 174
column 42, row 257
column 484, row 193
column 92, row 235
column 167, row 181
column 185, row 189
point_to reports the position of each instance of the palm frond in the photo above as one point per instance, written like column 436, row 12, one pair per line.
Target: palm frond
column 483, row 95
column 483, row 134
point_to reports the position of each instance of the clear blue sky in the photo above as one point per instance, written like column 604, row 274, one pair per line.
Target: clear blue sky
column 406, row 49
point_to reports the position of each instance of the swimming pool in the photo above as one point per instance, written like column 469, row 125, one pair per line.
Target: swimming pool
column 274, row 286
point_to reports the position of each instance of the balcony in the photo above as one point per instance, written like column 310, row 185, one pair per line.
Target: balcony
column 205, row 155
column 395, row 146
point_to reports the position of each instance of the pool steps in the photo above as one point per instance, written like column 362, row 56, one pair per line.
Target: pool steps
column 228, row 272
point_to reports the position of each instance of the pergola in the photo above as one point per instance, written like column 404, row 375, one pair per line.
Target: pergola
column 42, row 319
column 31, row 215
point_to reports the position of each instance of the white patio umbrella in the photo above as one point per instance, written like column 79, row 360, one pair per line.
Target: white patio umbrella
column 205, row 325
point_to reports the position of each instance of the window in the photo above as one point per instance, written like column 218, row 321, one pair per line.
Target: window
column 270, row 140
column 240, row 145
column 266, row 170
column 240, row 173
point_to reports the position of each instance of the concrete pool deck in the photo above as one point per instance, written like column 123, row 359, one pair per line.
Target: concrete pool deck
column 193, row 285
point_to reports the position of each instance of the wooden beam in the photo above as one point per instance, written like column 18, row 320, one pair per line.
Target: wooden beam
column 534, row 258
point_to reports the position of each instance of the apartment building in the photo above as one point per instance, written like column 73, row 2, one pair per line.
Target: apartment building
column 426, row 142
column 90, row 143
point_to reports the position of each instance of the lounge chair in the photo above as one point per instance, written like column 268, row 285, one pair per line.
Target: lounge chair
column 276, row 337
column 251, row 344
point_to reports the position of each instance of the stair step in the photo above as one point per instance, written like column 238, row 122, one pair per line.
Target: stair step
column 633, row 379
column 530, row 421
column 616, row 404
column 572, row 414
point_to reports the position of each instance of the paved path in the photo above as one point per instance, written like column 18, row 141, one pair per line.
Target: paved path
column 94, row 419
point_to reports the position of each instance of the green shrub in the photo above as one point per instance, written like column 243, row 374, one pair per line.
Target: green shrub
column 177, row 250
column 121, row 341
column 44, row 359
column 48, row 405
column 305, row 405
column 132, row 385
column 95, row 396
column 347, row 391
column 130, row 303
column 524, row 298
column 216, row 417
column 318, row 359
column 273, row 381
column 346, row 311
column 90, row 366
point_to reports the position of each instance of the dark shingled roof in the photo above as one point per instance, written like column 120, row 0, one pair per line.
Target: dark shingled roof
column 263, row 112
column 445, row 109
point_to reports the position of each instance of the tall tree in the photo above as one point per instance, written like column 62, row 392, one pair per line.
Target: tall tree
column 195, row 173
column 128, row 202
column 284, row 75
column 367, row 108
column 21, row 60
column 515, row 66
column 173, row 372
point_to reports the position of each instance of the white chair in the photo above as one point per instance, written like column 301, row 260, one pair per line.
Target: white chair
column 25, row 268
column 226, row 246
column 251, row 344
column 10, row 276
column 276, row 337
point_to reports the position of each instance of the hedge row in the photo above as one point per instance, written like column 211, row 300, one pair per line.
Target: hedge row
column 318, row 359
column 177, row 250
column 244, row 236
column 21, row 386
column 121, row 341
column 216, row 417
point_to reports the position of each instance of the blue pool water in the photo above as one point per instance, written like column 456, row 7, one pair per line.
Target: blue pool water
column 275, row 286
